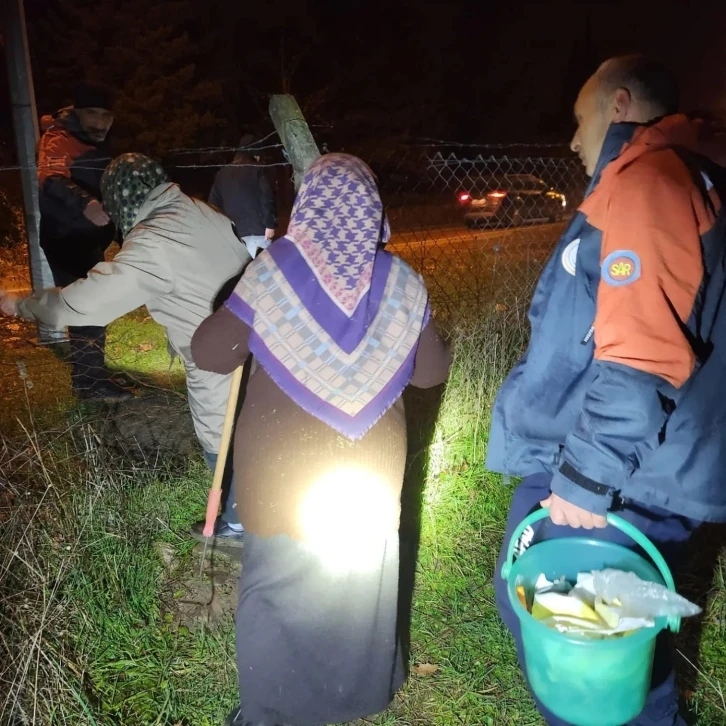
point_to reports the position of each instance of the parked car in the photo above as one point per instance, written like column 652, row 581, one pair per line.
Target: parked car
column 510, row 200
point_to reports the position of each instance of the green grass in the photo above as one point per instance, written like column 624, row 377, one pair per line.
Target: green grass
column 98, row 636
column 137, row 347
column 455, row 625
column 89, row 633
column 139, row 665
column 36, row 379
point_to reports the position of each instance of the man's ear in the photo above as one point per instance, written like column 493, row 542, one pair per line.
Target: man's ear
column 623, row 102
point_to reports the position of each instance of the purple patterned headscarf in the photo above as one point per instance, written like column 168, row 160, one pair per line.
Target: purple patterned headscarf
column 336, row 320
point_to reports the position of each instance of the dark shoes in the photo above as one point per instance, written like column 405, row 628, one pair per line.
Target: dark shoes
column 105, row 391
column 224, row 535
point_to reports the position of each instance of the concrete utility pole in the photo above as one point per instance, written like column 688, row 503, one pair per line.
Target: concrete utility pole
column 294, row 134
column 25, row 121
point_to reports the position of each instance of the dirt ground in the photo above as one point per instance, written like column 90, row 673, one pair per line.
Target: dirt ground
column 154, row 425
column 205, row 598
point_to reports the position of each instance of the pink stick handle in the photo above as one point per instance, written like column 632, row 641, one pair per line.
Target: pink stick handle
column 215, row 497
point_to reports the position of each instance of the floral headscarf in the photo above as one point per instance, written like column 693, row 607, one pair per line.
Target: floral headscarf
column 125, row 186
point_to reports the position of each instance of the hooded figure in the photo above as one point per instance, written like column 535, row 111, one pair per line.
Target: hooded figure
column 244, row 193
column 177, row 254
column 338, row 327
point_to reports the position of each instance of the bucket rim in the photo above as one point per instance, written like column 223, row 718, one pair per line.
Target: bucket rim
column 673, row 622
column 643, row 635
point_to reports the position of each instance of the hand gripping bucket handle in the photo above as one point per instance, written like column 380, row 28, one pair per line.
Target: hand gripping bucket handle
column 674, row 621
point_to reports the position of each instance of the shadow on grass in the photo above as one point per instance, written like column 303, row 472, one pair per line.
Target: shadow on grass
column 422, row 411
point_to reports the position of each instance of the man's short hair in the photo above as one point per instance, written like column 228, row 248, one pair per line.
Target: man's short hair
column 647, row 80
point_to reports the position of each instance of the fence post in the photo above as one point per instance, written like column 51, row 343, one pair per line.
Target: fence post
column 25, row 121
column 295, row 135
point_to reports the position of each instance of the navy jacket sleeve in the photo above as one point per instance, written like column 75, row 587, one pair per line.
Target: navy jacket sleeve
column 600, row 452
column 73, row 197
column 650, row 277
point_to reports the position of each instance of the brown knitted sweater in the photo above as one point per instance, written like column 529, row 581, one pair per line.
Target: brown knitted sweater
column 281, row 451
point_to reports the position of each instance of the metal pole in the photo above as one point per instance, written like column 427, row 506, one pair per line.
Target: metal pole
column 25, row 121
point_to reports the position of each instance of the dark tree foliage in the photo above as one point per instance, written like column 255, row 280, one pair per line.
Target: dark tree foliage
column 141, row 49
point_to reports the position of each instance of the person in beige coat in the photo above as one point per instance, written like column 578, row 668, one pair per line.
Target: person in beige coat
column 176, row 256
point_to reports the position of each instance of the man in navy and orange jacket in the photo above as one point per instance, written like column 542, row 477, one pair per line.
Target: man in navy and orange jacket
column 619, row 404
column 74, row 228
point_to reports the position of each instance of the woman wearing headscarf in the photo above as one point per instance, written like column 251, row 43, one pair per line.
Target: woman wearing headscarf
column 337, row 328
column 177, row 254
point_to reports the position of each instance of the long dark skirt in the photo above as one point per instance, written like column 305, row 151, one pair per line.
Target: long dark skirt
column 315, row 646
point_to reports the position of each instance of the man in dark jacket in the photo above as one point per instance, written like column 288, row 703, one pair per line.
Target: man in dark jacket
column 74, row 228
column 244, row 193
column 619, row 404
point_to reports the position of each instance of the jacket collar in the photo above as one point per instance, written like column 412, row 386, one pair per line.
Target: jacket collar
column 617, row 137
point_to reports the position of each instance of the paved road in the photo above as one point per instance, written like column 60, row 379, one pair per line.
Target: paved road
column 481, row 270
column 435, row 245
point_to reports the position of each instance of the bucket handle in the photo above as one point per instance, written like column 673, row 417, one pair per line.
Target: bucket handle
column 674, row 621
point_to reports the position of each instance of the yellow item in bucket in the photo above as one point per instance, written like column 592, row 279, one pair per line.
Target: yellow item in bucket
column 522, row 595
column 559, row 604
column 609, row 613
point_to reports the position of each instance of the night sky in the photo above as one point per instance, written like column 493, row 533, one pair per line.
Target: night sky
column 467, row 71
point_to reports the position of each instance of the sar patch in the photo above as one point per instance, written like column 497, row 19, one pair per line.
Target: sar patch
column 621, row 268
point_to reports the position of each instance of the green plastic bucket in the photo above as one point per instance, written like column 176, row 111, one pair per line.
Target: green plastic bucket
column 586, row 682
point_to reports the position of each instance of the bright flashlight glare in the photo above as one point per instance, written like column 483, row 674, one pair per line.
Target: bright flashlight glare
column 346, row 517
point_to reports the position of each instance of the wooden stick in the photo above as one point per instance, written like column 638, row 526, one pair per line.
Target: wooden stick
column 215, row 493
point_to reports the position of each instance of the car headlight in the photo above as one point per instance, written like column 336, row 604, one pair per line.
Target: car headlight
column 564, row 201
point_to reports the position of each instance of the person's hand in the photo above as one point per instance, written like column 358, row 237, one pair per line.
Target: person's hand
column 564, row 513
column 8, row 303
column 269, row 234
column 94, row 212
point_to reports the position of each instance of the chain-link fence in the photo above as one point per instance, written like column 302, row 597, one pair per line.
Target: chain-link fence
column 36, row 380
column 477, row 225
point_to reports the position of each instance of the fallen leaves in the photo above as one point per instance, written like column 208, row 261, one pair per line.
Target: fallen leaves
column 425, row 669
